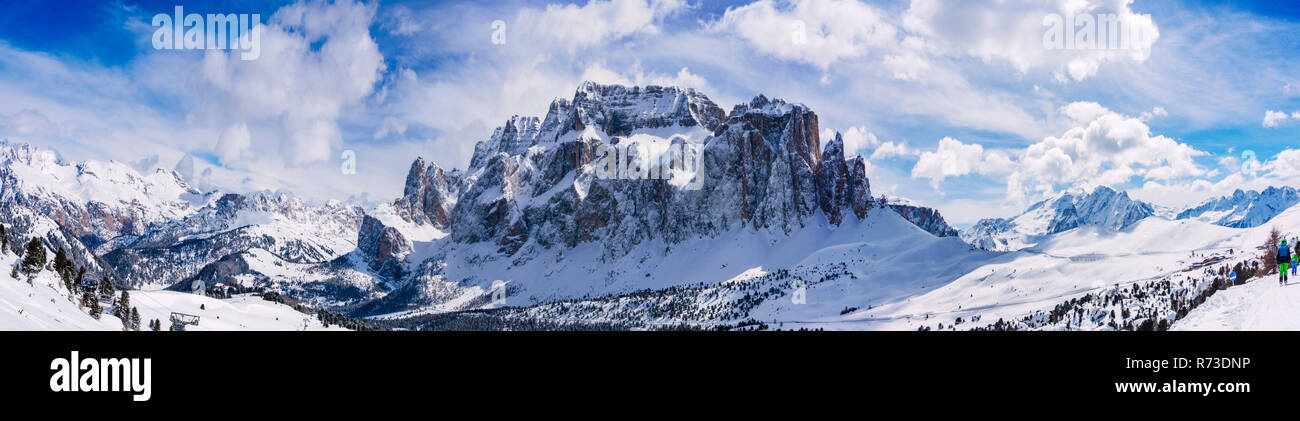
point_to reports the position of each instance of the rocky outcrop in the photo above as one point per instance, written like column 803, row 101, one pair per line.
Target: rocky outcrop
column 927, row 219
column 382, row 247
column 428, row 196
column 841, row 184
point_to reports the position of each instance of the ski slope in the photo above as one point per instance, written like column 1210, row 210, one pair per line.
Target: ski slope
column 1065, row 266
column 44, row 305
column 1262, row 304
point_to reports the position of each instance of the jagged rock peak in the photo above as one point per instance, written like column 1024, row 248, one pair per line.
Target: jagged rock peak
column 606, row 110
column 428, row 196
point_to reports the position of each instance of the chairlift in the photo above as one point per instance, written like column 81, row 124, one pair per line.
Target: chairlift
column 180, row 320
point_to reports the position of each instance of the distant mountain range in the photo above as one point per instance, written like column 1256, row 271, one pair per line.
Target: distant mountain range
column 1244, row 209
column 1107, row 208
column 1103, row 207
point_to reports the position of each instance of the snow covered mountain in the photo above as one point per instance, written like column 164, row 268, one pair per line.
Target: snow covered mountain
column 280, row 224
column 1244, row 209
column 1104, row 207
column 95, row 201
column 157, row 231
column 533, row 211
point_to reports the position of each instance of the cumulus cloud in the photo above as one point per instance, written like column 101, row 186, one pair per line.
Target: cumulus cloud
column 317, row 58
column 858, row 138
column 1272, row 119
column 953, row 159
column 1014, row 31
column 1103, row 148
column 1284, row 165
column 814, row 32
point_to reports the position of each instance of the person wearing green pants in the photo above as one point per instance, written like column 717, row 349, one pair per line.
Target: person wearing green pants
column 1283, row 260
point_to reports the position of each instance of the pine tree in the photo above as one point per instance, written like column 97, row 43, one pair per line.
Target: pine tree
column 4, row 241
column 91, row 301
column 122, row 310
column 135, row 318
column 14, row 273
column 63, row 266
column 35, row 259
column 106, row 287
column 81, row 280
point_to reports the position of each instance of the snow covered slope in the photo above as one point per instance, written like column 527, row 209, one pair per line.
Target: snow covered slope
column 1259, row 305
column 44, row 304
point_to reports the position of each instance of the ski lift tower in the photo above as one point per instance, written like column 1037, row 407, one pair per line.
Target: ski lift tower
column 180, row 320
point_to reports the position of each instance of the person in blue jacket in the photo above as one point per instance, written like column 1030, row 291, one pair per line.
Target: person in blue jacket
column 1283, row 261
column 1295, row 258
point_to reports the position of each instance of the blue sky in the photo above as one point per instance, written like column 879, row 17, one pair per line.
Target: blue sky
column 955, row 104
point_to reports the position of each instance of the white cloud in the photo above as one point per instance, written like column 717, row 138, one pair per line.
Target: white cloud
column 1155, row 112
column 814, row 32
column 1105, row 148
column 1284, row 165
column 890, row 150
column 953, row 159
column 317, row 58
column 574, row 27
column 234, row 143
column 858, row 138
column 1013, row 31
column 910, row 67
column 1272, row 119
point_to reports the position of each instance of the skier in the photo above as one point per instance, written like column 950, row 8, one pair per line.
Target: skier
column 1283, row 261
column 1295, row 258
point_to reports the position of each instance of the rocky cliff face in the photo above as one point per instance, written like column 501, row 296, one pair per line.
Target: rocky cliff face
column 428, row 196
column 382, row 247
column 927, row 219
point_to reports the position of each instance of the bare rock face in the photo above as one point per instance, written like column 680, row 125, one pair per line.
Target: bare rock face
column 859, row 187
column 383, row 247
column 428, row 195
column 927, row 219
